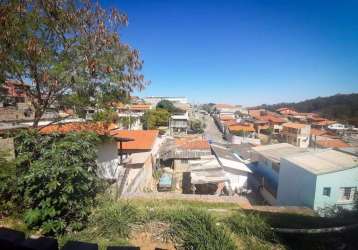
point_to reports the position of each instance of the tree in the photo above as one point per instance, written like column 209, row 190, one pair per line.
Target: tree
column 167, row 105
column 66, row 48
column 107, row 115
column 127, row 122
column 56, row 179
column 155, row 118
column 197, row 126
column 7, row 182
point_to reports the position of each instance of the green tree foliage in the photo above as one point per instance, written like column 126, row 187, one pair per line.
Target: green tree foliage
column 208, row 107
column 155, row 118
column 127, row 122
column 167, row 105
column 56, row 180
column 197, row 126
column 339, row 107
column 107, row 115
column 67, row 47
column 7, row 182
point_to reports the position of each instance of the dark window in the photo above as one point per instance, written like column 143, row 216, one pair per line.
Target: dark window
column 327, row 191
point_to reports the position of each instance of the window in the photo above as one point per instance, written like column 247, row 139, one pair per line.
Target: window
column 184, row 161
column 327, row 191
column 347, row 193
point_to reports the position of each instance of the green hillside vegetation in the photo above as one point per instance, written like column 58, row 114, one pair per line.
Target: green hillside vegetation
column 340, row 107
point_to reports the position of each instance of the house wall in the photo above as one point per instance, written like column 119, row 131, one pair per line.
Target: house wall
column 336, row 180
column 107, row 160
column 237, row 181
column 234, row 139
column 140, row 179
column 296, row 185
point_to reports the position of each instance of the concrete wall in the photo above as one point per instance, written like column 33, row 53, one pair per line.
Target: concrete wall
column 234, row 139
column 140, row 179
column 107, row 160
column 335, row 181
column 296, row 186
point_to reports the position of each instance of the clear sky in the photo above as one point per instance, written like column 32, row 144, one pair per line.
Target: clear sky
column 245, row 52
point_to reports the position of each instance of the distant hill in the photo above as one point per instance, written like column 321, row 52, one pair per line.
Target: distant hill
column 341, row 107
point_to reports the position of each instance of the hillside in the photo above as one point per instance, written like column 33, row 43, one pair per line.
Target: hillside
column 341, row 107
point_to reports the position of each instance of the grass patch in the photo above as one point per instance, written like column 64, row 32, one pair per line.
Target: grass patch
column 250, row 224
column 197, row 229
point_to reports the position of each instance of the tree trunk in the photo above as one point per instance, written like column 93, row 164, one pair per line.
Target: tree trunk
column 37, row 118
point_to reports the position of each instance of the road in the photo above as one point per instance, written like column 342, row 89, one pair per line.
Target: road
column 211, row 131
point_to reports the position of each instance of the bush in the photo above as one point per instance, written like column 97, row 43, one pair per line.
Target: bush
column 7, row 183
column 57, row 180
column 250, row 224
column 196, row 229
column 114, row 219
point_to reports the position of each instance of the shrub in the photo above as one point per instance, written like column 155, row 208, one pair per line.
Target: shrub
column 57, row 180
column 196, row 229
column 250, row 224
column 7, row 183
column 114, row 219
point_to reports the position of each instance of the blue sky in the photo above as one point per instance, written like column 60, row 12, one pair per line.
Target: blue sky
column 244, row 52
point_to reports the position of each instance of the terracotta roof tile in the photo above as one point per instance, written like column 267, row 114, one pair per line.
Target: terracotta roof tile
column 97, row 127
column 324, row 123
column 332, row 143
column 226, row 117
column 241, row 127
column 294, row 125
column 319, row 132
column 192, row 143
column 142, row 139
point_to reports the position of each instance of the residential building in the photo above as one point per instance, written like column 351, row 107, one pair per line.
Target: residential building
column 318, row 179
column 297, row 134
column 107, row 153
column 13, row 92
column 236, row 171
column 141, row 150
column 265, row 165
column 176, row 153
column 139, row 141
column 337, row 127
column 179, row 124
column 268, row 120
column 237, row 133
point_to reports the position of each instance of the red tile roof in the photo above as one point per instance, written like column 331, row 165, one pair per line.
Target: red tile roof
column 332, row 143
column 226, row 117
column 241, row 127
column 319, row 132
column 294, row 125
column 230, row 122
column 192, row 143
column 323, row 123
column 142, row 139
column 97, row 127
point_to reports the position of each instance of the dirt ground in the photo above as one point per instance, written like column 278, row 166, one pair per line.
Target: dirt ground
column 152, row 235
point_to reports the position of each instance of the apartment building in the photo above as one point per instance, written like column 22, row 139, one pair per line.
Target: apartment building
column 296, row 134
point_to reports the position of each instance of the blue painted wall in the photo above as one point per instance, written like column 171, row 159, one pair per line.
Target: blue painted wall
column 336, row 180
